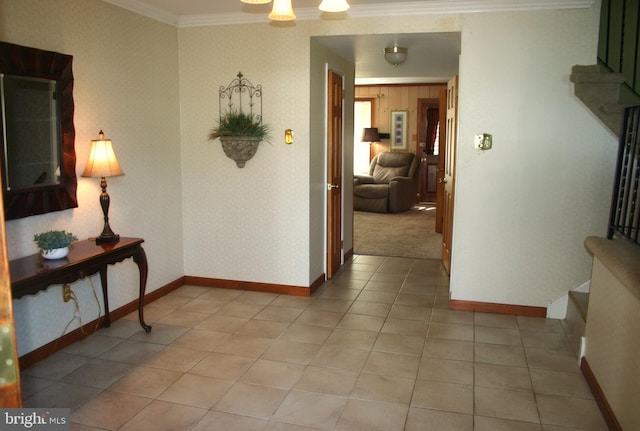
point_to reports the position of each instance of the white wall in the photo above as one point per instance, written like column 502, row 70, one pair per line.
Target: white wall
column 524, row 208
column 126, row 82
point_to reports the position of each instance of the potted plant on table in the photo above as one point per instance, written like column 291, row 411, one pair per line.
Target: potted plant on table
column 240, row 133
column 54, row 244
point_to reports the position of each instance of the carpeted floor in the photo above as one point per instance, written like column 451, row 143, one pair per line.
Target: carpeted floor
column 406, row 234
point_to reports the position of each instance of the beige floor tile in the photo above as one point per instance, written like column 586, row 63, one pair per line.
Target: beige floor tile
column 413, row 300
column 450, row 331
column 222, row 366
column 312, row 317
column 570, row 412
column 370, row 308
column 223, row 295
column 450, row 397
column 446, row 370
column 372, row 416
column 453, row 316
column 97, row 373
column 196, row 391
column 352, row 339
column 361, row 322
column 279, row 314
column 493, row 424
column 245, row 345
column 330, row 304
column 393, row 343
column 145, row 382
column 220, row 323
column 164, row 416
column 187, row 319
column 263, row 329
column 189, row 291
column 495, row 320
column 393, row 276
column 273, row 373
column 109, row 410
column 291, row 301
column 92, row 346
column 260, row 298
column 306, row 334
column 170, row 302
column 405, row 327
column 506, row 404
column 383, row 286
column 426, row 419
column 449, row 349
column 558, row 360
column 548, row 341
column 534, row 324
column 408, row 312
column 337, row 292
column 133, row 352
column 374, row 296
column 502, row 336
column 251, row 400
column 176, row 358
column 201, row 305
column 57, row 366
column 200, row 339
column 392, row 364
column 291, row 352
column 340, row 357
column 387, row 389
column 500, row 355
column 63, row 395
column 311, row 410
column 30, row 385
column 240, row 309
column 561, row 383
column 220, row 421
column 161, row 334
column 502, row 377
column 328, row 381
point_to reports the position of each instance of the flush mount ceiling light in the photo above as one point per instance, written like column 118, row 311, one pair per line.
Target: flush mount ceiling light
column 282, row 10
column 395, row 55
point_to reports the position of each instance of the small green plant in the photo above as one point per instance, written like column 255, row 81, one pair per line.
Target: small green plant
column 53, row 239
column 237, row 123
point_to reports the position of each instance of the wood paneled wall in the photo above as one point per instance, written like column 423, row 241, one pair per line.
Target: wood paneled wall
column 389, row 98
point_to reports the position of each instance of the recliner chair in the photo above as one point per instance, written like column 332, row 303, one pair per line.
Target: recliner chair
column 391, row 185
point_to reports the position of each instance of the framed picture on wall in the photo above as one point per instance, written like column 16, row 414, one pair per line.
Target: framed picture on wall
column 398, row 138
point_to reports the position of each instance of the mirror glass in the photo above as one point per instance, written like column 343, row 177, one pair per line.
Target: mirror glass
column 31, row 131
column 38, row 135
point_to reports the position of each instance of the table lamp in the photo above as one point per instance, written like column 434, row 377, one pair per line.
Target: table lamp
column 102, row 164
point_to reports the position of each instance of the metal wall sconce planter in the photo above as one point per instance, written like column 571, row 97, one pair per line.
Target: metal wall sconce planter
column 240, row 131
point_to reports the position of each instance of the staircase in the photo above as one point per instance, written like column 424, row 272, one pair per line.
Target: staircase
column 576, row 320
column 599, row 90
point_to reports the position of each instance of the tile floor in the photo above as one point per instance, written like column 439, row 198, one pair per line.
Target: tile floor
column 374, row 349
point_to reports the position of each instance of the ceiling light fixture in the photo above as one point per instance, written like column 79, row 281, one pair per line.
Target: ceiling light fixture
column 283, row 11
column 333, row 6
column 395, row 55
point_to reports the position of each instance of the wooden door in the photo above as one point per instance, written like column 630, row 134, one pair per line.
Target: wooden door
column 427, row 176
column 449, row 172
column 10, row 396
column 442, row 139
column 334, row 173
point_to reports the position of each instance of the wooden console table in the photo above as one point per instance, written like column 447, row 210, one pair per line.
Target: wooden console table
column 31, row 274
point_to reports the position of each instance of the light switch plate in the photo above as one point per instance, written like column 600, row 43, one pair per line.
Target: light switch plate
column 483, row 141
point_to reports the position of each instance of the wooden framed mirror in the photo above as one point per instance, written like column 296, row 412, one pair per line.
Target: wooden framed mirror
column 38, row 136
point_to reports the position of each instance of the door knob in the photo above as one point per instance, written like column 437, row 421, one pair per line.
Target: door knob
column 442, row 180
column 424, row 159
column 332, row 186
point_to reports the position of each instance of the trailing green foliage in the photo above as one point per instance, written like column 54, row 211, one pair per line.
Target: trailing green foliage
column 237, row 123
column 53, row 239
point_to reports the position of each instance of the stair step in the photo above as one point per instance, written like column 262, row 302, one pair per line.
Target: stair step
column 581, row 303
column 594, row 74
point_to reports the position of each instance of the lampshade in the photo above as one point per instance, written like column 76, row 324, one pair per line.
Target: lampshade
column 370, row 134
column 333, row 5
column 395, row 55
column 102, row 159
column 256, row 1
column 282, row 11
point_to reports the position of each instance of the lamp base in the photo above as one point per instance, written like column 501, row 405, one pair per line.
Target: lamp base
column 107, row 238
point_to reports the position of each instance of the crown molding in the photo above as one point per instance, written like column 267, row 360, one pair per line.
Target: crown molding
column 356, row 11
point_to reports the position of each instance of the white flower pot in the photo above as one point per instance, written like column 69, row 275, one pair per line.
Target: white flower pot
column 56, row 253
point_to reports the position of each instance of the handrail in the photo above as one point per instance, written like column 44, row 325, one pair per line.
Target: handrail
column 624, row 219
column 619, row 41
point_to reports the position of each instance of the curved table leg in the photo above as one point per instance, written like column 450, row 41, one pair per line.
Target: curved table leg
column 140, row 258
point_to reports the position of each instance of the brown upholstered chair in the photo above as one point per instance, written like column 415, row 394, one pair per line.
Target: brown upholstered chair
column 391, row 185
